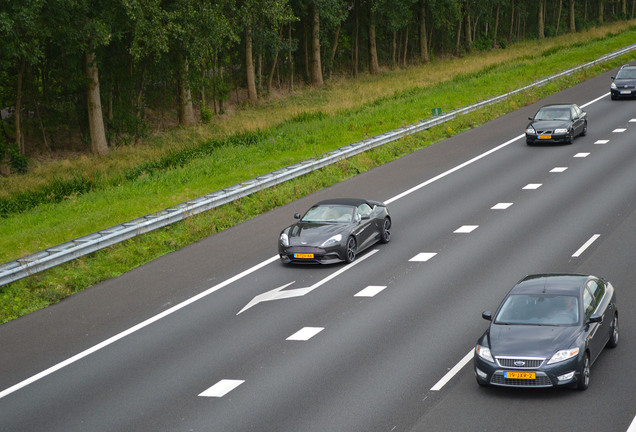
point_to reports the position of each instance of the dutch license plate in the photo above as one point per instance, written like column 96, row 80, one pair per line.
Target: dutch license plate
column 520, row 375
column 545, row 136
column 303, row 256
column 626, row 92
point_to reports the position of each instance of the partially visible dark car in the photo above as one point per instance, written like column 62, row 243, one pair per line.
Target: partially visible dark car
column 624, row 83
column 547, row 332
column 556, row 124
column 335, row 230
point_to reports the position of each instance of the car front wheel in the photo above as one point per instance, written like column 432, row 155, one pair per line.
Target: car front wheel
column 385, row 234
column 584, row 374
column 350, row 253
column 613, row 341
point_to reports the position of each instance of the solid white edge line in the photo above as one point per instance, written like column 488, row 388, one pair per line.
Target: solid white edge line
column 632, row 426
column 586, row 245
column 451, row 373
column 133, row 329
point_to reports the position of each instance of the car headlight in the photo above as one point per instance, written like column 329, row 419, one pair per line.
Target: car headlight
column 613, row 86
column 284, row 239
column 332, row 241
column 563, row 355
column 560, row 131
column 531, row 131
column 484, row 352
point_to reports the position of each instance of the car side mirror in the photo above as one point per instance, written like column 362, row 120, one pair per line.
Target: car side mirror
column 296, row 215
column 530, row 118
column 595, row 318
column 613, row 77
column 487, row 315
column 366, row 217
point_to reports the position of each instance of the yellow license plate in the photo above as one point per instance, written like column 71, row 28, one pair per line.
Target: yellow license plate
column 303, row 256
column 520, row 375
column 545, row 136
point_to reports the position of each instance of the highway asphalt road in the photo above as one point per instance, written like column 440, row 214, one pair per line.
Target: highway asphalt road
column 220, row 336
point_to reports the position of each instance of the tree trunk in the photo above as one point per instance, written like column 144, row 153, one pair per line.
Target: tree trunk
column 374, row 66
column 249, row 65
column 99, row 145
column 355, row 52
column 541, row 19
column 406, row 45
column 316, row 66
column 394, row 49
column 274, row 64
column 512, row 20
column 572, row 26
column 601, row 11
column 458, row 37
column 468, row 34
column 186, row 111
column 495, row 42
column 558, row 23
column 334, row 49
column 424, row 55
column 17, row 115
column 290, row 60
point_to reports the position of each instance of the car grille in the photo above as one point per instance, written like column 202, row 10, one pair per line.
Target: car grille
column 520, row 363
column 541, row 380
column 305, row 249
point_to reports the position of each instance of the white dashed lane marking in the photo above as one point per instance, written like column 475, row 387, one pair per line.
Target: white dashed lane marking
column 501, row 206
column 581, row 155
column 222, row 388
column 532, row 186
column 423, row 257
column 466, row 229
column 558, row 169
column 370, row 291
column 619, row 130
column 305, row 333
column 601, row 142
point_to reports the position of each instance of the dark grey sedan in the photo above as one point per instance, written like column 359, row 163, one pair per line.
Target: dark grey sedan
column 335, row 230
column 547, row 332
column 559, row 123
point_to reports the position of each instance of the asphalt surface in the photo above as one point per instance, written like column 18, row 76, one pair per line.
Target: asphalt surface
column 366, row 347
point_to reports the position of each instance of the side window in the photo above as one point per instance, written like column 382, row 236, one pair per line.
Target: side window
column 589, row 303
column 597, row 289
column 364, row 209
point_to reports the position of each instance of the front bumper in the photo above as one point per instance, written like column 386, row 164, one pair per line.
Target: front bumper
column 310, row 255
column 623, row 93
column 553, row 138
column 554, row 375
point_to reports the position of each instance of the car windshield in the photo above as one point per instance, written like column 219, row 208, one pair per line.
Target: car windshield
column 329, row 213
column 553, row 114
column 543, row 309
column 627, row 73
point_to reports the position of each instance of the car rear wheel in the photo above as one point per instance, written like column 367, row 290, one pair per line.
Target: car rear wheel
column 350, row 253
column 385, row 234
column 584, row 374
column 613, row 341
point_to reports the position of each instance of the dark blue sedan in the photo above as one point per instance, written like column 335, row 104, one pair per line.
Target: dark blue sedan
column 547, row 332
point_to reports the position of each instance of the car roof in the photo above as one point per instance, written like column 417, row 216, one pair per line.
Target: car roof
column 564, row 105
column 551, row 283
column 354, row 202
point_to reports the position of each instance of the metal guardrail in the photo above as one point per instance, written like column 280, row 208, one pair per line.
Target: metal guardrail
column 56, row 255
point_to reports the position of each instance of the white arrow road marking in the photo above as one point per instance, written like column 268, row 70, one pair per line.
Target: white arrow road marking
column 278, row 293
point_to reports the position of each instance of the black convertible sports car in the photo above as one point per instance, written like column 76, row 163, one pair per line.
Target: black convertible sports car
column 335, row 230
column 547, row 332
column 556, row 124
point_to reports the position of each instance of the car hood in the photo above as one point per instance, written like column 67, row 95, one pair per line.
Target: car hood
column 630, row 82
column 530, row 340
column 550, row 124
column 314, row 234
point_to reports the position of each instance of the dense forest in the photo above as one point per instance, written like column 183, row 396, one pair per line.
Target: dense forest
column 84, row 75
